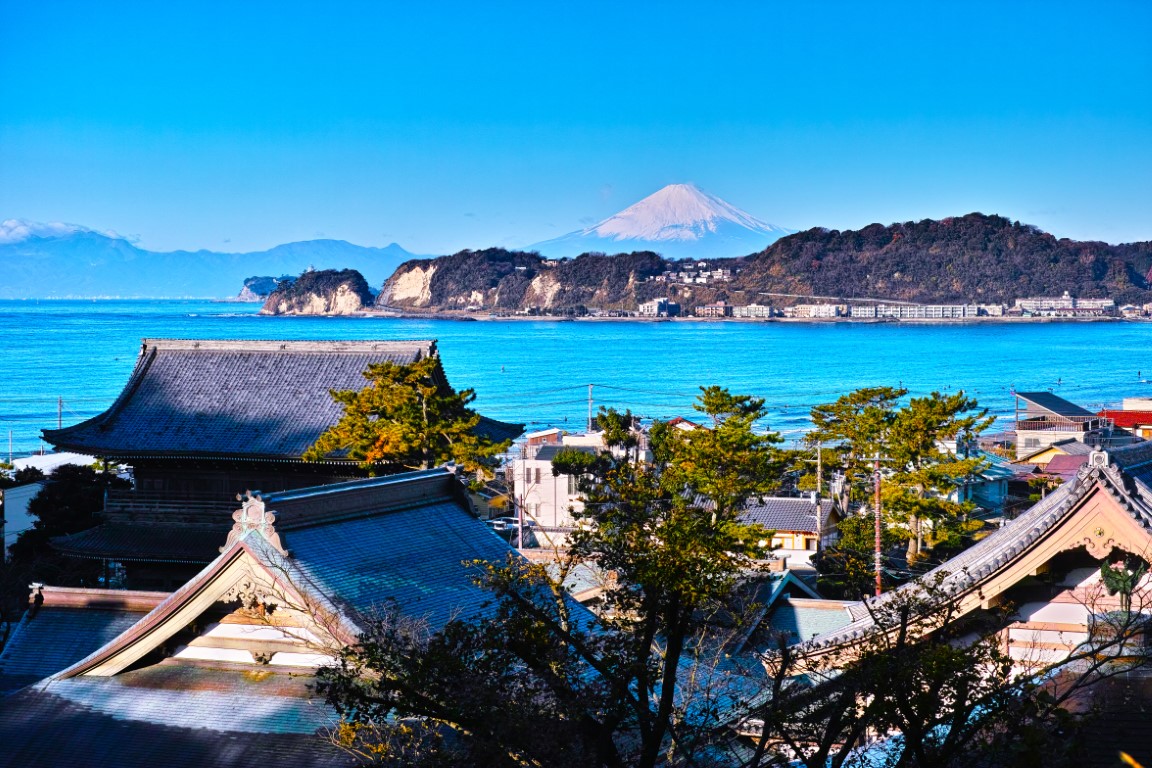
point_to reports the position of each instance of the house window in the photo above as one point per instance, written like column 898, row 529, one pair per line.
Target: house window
column 810, row 544
column 573, row 485
column 537, row 475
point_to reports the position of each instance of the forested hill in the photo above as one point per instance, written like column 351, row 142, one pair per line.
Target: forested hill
column 509, row 280
column 975, row 258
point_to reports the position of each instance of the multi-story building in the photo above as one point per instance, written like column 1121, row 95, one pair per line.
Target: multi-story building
column 1065, row 306
column 816, row 310
column 753, row 310
column 926, row 311
column 719, row 309
column 659, row 308
column 1043, row 419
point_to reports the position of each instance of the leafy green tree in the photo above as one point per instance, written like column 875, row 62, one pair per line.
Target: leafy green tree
column 926, row 474
column 70, row 501
column 919, row 474
column 857, row 425
column 540, row 681
column 847, row 569
column 407, row 417
column 940, row 683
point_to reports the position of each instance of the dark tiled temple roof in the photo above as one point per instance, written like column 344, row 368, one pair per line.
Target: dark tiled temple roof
column 415, row 558
column 353, row 547
column 48, row 640
column 153, row 542
column 236, row 399
column 785, row 514
column 128, row 722
column 350, row 547
column 1126, row 475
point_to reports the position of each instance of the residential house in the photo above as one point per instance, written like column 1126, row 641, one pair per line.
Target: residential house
column 1138, row 422
column 1042, row 456
column 547, row 500
column 801, row 526
column 1065, row 467
column 1043, row 418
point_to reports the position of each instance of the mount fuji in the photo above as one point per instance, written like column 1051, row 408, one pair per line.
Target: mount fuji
column 679, row 221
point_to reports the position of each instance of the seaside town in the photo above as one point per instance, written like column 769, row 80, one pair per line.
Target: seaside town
column 1037, row 307
column 231, row 562
column 576, row 385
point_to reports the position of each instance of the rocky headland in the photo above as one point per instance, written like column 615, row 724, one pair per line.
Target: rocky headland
column 321, row 292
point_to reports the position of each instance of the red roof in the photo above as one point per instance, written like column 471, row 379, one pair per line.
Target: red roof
column 1065, row 465
column 1128, row 418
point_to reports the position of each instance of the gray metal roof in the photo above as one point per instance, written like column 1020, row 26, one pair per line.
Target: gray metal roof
column 248, row 399
column 1054, row 404
column 785, row 514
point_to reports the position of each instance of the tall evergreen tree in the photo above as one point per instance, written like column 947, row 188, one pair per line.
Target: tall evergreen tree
column 409, row 418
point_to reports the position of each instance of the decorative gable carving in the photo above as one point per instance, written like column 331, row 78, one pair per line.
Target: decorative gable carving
column 252, row 516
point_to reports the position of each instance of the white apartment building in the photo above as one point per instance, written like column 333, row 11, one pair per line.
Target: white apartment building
column 752, row 310
column 548, row 500
column 1065, row 306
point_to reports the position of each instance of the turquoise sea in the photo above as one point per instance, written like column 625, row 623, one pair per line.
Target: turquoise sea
column 538, row 372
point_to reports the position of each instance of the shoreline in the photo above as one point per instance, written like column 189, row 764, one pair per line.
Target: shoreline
column 464, row 316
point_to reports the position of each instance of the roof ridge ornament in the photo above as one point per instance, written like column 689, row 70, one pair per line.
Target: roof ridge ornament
column 1099, row 465
column 252, row 516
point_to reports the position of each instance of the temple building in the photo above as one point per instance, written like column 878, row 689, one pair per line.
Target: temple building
column 201, row 421
column 1046, row 563
column 218, row 672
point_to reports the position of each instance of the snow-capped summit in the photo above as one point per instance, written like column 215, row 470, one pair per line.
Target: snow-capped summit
column 678, row 221
column 19, row 230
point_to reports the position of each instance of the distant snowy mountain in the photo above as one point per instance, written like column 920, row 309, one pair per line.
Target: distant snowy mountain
column 679, row 221
column 67, row 260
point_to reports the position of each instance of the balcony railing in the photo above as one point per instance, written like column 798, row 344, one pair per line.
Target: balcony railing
column 1070, row 424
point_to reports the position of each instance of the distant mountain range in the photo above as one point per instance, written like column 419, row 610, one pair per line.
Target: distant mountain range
column 679, row 221
column 61, row 261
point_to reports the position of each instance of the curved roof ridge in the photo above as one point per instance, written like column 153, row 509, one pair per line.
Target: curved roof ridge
column 240, row 399
column 99, row 421
column 971, row 564
column 292, row 345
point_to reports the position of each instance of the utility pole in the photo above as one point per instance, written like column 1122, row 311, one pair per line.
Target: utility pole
column 819, row 494
column 9, row 446
column 590, row 407
column 59, row 413
column 876, row 509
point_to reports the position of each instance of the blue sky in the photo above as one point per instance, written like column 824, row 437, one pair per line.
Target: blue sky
column 237, row 126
